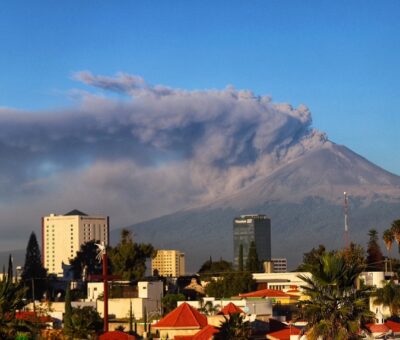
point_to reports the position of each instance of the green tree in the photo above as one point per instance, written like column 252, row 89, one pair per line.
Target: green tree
column 253, row 264
column 388, row 239
column 128, row 259
column 208, row 308
column 231, row 284
column 214, row 268
column 86, row 258
column 34, row 274
column 388, row 296
column 241, row 263
column 374, row 253
column 353, row 254
column 233, row 327
column 395, row 227
column 311, row 258
column 335, row 309
column 85, row 322
column 11, row 300
column 170, row 301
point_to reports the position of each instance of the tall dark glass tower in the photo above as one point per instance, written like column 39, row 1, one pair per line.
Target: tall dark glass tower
column 248, row 228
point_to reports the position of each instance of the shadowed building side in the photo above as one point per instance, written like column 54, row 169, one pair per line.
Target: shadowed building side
column 252, row 228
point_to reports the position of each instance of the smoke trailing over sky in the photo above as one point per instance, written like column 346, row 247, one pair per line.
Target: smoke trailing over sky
column 146, row 151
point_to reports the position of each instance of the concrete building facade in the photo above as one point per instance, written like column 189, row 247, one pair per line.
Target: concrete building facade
column 169, row 263
column 63, row 235
column 249, row 228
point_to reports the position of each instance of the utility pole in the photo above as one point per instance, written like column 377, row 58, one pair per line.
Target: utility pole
column 102, row 256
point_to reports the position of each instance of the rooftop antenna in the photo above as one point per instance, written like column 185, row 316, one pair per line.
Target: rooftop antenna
column 346, row 226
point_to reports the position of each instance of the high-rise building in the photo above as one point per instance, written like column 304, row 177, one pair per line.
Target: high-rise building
column 169, row 263
column 63, row 235
column 249, row 228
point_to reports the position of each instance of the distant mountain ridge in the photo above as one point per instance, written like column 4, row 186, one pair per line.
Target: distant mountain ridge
column 304, row 199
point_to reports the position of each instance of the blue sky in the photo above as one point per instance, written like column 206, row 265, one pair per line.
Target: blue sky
column 339, row 58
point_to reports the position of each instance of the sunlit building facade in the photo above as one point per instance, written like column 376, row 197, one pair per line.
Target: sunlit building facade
column 63, row 235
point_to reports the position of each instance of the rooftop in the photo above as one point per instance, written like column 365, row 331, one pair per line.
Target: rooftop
column 184, row 316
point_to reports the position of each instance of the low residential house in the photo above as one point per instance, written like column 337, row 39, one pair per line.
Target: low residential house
column 183, row 320
column 276, row 296
column 230, row 309
column 282, row 331
column 280, row 281
column 378, row 331
column 148, row 301
column 289, row 333
column 395, row 327
column 250, row 306
column 389, row 329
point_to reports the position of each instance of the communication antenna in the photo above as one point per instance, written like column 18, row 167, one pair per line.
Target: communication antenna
column 346, row 226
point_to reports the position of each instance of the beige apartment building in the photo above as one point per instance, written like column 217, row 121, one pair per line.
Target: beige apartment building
column 63, row 235
column 169, row 263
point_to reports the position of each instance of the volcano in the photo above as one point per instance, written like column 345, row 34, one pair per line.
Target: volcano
column 303, row 198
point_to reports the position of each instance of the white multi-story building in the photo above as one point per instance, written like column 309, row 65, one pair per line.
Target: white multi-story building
column 169, row 263
column 63, row 235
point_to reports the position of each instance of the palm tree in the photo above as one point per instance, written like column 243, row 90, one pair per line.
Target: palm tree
column 234, row 327
column 388, row 296
column 208, row 308
column 388, row 238
column 396, row 231
column 335, row 309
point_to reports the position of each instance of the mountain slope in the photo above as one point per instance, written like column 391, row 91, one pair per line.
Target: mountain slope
column 304, row 200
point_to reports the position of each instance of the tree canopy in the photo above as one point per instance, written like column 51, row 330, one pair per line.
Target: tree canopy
column 215, row 268
column 234, row 327
column 336, row 309
column 11, row 300
column 231, row 284
column 128, row 259
column 388, row 296
column 311, row 258
column 253, row 264
column 374, row 253
column 86, row 259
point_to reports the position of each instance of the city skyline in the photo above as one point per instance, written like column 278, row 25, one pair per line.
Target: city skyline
column 72, row 74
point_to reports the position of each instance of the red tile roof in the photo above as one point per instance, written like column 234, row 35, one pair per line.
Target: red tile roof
column 284, row 334
column 204, row 334
column 267, row 293
column 184, row 316
column 33, row 317
column 394, row 326
column 378, row 328
column 116, row 335
column 230, row 308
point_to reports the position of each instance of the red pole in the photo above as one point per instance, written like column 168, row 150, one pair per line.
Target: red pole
column 105, row 292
